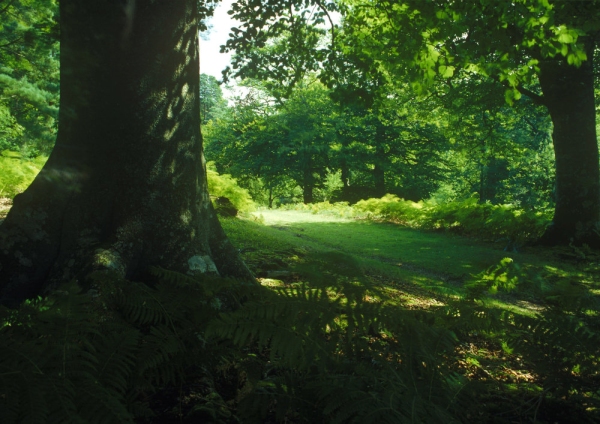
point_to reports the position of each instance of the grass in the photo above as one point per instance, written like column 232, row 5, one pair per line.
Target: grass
column 435, row 263
column 5, row 205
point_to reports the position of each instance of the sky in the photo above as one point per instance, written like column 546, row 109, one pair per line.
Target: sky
column 211, row 61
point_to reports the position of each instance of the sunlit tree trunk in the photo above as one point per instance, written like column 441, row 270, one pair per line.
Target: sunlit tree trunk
column 569, row 96
column 125, row 187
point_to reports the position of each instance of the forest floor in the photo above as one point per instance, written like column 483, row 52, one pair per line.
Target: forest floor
column 428, row 270
column 423, row 269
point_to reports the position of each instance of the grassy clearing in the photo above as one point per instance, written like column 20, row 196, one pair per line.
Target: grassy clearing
column 439, row 262
column 526, row 326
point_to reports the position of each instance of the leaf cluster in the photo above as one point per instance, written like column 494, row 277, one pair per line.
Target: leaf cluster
column 29, row 75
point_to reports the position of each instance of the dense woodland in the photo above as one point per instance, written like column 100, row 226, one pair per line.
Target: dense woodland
column 396, row 219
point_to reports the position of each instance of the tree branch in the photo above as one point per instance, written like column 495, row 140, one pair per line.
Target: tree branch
column 11, row 42
column 5, row 8
column 324, row 9
column 535, row 98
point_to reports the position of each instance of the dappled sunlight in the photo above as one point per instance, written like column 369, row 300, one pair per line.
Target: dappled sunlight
column 408, row 286
column 171, row 109
column 277, row 216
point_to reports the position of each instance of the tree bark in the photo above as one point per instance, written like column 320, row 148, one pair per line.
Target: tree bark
column 270, row 197
column 125, row 186
column 307, row 193
column 308, row 180
column 569, row 95
column 380, row 161
column 345, row 180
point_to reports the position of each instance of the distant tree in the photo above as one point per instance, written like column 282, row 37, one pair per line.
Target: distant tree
column 211, row 98
column 290, row 140
column 502, row 152
column 309, row 120
column 125, row 186
column 243, row 141
column 279, row 42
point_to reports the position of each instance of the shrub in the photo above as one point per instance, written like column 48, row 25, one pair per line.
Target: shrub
column 468, row 217
column 226, row 186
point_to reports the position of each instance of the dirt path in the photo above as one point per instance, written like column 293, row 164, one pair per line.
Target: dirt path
column 5, row 205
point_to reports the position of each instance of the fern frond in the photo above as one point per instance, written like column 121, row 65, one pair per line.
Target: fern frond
column 117, row 353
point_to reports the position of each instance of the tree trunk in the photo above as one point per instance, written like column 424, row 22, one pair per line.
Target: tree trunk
column 307, row 193
column 379, row 179
column 308, row 180
column 380, row 160
column 345, row 196
column 125, row 186
column 569, row 96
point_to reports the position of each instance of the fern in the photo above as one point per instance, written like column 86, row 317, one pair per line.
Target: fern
column 371, row 353
column 331, row 349
column 559, row 343
column 74, row 358
column 493, row 222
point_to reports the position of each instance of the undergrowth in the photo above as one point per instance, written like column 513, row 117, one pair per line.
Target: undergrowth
column 507, row 223
column 16, row 173
column 324, row 352
column 327, row 346
column 226, row 186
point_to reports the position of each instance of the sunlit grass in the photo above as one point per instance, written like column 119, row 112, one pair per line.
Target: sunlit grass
column 417, row 265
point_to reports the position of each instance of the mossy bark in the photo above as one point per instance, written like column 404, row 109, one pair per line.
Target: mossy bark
column 125, row 186
column 569, row 95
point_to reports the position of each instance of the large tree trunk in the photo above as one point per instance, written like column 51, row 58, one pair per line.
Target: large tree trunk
column 569, row 96
column 125, row 186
